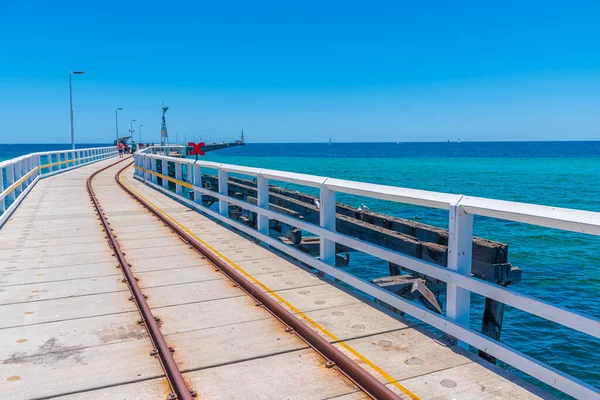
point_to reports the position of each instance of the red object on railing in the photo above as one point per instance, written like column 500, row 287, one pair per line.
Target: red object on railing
column 196, row 148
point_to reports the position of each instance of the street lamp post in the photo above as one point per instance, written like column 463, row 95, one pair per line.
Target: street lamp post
column 117, row 121
column 140, row 132
column 71, row 102
column 131, row 130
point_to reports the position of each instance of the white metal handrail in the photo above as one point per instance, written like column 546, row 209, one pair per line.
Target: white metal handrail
column 18, row 175
column 457, row 275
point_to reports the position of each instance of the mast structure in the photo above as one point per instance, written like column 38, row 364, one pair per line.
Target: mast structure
column 164, row 135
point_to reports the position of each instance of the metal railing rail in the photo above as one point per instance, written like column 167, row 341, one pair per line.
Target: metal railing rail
column 457, row 275
column 19, row 175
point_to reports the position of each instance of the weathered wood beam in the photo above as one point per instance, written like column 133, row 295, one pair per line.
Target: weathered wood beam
column 487, row 255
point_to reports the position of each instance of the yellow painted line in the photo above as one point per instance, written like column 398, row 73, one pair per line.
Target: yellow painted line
column 182, row 183
column 57, row 163
column 312, row 322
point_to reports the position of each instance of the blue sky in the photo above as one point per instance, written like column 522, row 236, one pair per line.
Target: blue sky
column 303, row 71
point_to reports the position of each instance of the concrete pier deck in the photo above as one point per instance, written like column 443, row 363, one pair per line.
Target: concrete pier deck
column 68, row 329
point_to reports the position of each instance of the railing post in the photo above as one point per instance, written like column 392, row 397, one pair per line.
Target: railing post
column 165, row 172
column 23, row 173
column 30, row 167
column 142, row 164
column 146, row 166
column 142, row 172
column 26, row 168
column 10, row 179
column 460, row 253
column 154, row 169
column 39, row 164
column 327, row 221
column 17, row 173
column 178, row 175
column 223, row 205
column 136, row 171
column 2, row 201
column 263, row 202
column 197, row 183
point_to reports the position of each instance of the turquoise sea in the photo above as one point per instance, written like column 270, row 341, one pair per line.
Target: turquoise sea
column 562, row 268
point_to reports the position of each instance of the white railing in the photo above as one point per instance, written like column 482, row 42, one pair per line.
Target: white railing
column 18, row 175
column 457, row 275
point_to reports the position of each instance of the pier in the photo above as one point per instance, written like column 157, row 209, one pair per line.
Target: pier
column 159, row 277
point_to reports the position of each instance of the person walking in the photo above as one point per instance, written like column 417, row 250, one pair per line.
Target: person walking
column 120, row 148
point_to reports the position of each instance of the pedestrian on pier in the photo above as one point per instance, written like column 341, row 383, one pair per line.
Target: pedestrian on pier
column 120, row 148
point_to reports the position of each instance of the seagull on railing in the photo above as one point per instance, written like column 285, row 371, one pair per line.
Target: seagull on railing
column 363, row 208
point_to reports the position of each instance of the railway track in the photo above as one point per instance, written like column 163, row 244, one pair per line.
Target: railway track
column 163, row 352
column 332, row 358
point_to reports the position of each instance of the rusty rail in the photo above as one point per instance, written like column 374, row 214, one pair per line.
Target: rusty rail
column 334, row 357
column 174, row 377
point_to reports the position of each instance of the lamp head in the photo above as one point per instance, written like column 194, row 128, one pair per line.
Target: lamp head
column 77, row 72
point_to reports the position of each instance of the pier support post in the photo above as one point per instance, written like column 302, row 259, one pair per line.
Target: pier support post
column 327, row 218
column 460, row 253
column 491, row 324
column 263, row 202
column 223, row 205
